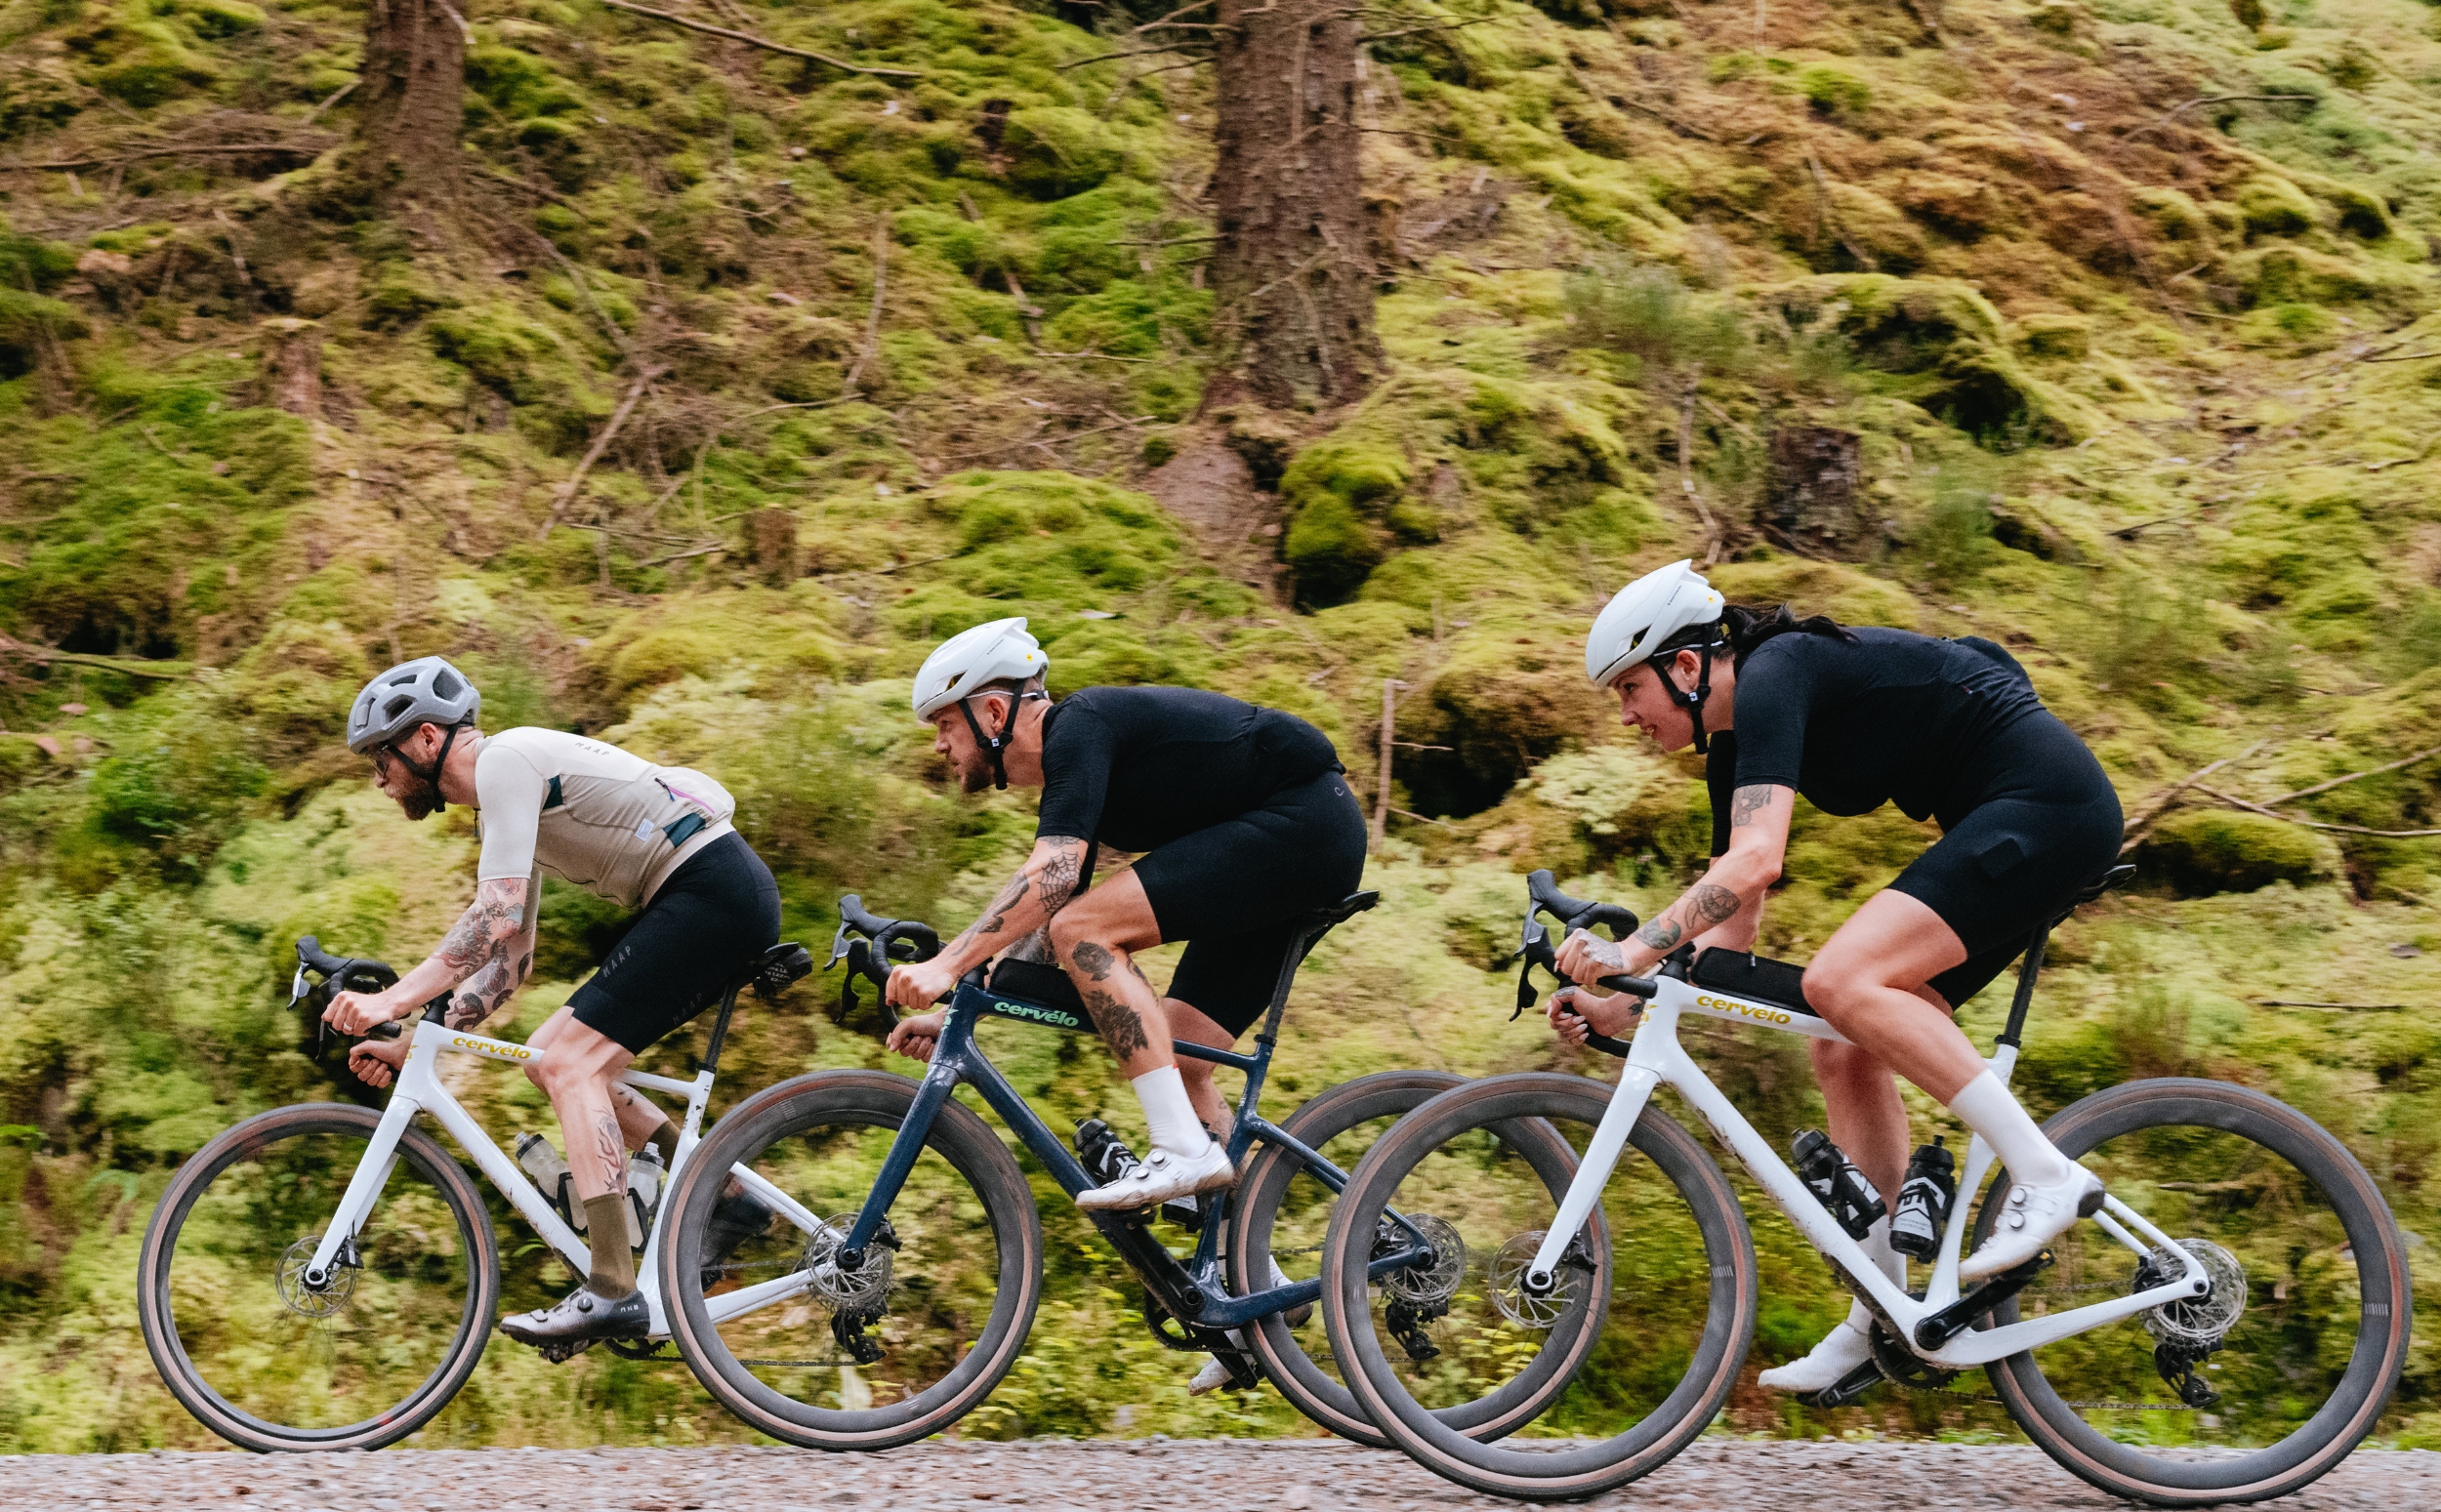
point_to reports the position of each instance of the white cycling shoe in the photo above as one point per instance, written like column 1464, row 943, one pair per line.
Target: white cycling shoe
column 2034, row 1216
column 1215, row 1371
column 1161, row 1176
column 1840, row 1353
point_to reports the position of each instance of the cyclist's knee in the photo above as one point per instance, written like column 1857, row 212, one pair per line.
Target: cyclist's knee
column 1071, row 927
column 1835, row 984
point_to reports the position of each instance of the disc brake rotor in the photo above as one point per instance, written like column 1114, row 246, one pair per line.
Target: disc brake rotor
column 1427, row 1283
column 1509, row 1294
column 2201, row 1323
column 862, row 1291
column 308, row 1301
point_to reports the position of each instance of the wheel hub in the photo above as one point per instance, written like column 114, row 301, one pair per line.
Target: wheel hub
column 316, row 1296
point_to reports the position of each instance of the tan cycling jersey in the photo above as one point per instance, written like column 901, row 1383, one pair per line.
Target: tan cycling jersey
column 590, row 814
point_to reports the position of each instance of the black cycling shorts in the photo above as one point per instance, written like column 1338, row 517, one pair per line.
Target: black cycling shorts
column 2048, row 824
column 1235, row 891
column 700, row 932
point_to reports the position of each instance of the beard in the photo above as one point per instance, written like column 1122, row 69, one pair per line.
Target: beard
column 974, row 773
column 421, row 801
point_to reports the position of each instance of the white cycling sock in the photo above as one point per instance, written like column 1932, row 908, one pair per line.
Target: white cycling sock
column 1888, row 1261
column 1986, row 1106
column 1169, row 1115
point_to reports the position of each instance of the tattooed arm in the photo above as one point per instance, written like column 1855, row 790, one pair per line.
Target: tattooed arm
column 1722, row 909
column 489, row 949
column 1041, row 889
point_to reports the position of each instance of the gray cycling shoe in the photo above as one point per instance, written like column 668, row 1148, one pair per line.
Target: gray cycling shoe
column 583, row 1314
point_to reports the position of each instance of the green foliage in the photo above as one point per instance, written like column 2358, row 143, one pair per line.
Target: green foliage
column 1834, row 91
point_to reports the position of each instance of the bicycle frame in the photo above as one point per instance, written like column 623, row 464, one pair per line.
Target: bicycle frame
column 1655, row 1059
column 1194, row 1292
column 419, row 1089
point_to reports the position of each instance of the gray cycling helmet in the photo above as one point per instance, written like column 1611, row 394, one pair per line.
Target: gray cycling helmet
column 424, row 691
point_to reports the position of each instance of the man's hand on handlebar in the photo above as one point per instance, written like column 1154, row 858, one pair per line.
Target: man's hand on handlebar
column 352, row 1013
column 919, row 984
column 914, row 1038
column 1575, row 1012
column 1585, row 959
column 376, row 1062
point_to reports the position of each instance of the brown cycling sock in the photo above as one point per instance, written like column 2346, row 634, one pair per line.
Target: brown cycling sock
column 613, row 1273
column 665, row 1140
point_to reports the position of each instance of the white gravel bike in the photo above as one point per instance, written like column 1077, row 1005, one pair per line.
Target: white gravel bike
column 2226, row 1328
column 325, row 1276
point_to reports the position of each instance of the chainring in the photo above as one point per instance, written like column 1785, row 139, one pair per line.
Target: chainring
column 1897, row 1363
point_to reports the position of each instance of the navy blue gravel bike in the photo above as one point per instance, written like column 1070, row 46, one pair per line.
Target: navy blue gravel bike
column 913, row 1246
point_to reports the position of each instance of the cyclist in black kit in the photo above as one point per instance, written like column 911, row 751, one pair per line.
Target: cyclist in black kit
column 1244, row 824
column 1949, row 730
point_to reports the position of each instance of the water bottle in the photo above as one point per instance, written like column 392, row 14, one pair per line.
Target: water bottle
column 644, row 1174
column 538, row 1159
column 1835, row 1182
column 1924, row 1201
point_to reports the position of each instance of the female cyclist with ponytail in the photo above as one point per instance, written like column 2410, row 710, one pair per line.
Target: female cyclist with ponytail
column 1853, row 719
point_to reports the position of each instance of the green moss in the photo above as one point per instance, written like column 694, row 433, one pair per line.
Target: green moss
column 2205, row 851
column 2273, row 206
column 1054, row 151
column 1832, row 90
column 2054, row 337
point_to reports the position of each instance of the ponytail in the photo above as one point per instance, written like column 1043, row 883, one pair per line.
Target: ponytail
column 1751, row 627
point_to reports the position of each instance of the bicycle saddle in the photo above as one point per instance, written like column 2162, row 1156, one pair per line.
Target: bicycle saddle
column 770, row 973
column 2116, row 877
column 1341, row 911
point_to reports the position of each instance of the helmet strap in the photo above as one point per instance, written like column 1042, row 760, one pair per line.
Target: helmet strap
column 431, row 778
column 1693, row 702
column 994, row 745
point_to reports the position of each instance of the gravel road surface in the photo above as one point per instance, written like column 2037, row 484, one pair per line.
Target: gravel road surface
column 1187, row 1475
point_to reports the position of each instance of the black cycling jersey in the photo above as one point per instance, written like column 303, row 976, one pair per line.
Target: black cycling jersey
column 1135, row 768
column 1949, row 730
column 1891, row 717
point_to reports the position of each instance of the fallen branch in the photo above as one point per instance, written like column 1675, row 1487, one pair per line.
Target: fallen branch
column 1830, row 212
column 2367, row 1008
column 881, row 572
column 701, row 550
column 751, row 40
column 2338, row 782
column 602, row 443
column 43, row 656
column 2209, row 100
column 2235, row 801
column 872, row 342
column 1419, row 819
column 1103, row 57
column 334, row 98
column 289, row 149
column 2160, row 805
column 2413, row 356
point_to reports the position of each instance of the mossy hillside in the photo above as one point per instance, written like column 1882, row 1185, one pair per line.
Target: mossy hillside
column 2106, row 379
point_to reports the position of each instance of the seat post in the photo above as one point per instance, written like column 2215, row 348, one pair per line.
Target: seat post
column 720, row 1028
column 1289, row 964
column 2015, row 1034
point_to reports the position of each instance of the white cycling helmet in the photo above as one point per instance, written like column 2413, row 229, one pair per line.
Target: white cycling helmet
column 1001, row 651
column 424, row 691
column 1645, row 613
column 974, row 659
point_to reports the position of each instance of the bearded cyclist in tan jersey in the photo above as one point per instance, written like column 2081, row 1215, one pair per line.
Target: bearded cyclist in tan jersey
column 646, row 837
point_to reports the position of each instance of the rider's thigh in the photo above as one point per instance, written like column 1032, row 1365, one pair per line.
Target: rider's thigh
column 1115, row 913
column 1893, row 942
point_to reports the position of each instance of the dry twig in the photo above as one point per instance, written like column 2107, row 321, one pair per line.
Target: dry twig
column 602, row 443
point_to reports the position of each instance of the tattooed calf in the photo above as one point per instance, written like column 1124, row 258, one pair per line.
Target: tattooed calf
column 1121, row 1029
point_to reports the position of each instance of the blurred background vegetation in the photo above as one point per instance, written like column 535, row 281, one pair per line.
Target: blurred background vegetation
column 733, row 381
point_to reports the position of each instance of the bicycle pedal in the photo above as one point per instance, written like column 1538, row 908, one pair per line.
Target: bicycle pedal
column 1849, row 1387
column 562, row 1351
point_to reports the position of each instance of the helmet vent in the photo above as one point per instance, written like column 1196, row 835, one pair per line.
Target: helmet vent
column 396, row 707
column 445, row 685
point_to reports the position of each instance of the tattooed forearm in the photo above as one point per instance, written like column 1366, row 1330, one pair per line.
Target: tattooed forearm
column 486, row 933
column 1705, row 905
column 1605, row 953
column 1710, row 903
column 1121, row 1029
column 1033, row 895
column 994, row 920
column 1746, row 802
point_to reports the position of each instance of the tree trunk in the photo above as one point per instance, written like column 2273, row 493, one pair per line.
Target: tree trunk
column 1812, row 501
column 1293, row 283
column 414, row 101
column 292, row 366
